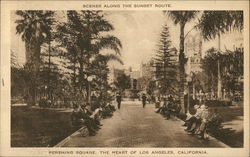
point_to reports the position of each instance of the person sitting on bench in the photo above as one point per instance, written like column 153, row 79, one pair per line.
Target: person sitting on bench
column 80, row 118
column 196, row 121
column 191, row 118
column 204, row 121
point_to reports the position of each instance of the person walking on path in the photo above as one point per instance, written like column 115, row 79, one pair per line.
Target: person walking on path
column 144, row 98
column 119, row 99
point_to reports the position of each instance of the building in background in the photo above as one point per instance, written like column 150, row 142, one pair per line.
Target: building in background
column 193, row 50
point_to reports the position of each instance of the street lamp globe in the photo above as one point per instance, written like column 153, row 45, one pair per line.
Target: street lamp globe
column 90, row 78
column 189, row 78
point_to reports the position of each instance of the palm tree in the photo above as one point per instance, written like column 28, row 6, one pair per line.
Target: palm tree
column 33, row 26
column 182, row 18
column 214, row 23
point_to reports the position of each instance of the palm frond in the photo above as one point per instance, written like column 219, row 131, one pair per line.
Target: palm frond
column 110, row 42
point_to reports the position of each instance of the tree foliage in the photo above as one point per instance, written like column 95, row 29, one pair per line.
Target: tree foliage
column 74, row 46
column 213, row 22
column 122, row 82
column 164, row 61
column 83, row 37
column 231, row 68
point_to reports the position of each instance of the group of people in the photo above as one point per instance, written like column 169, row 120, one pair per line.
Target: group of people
column 197, row 123
column 166, row 106
column 81, row 116
column 119, row 99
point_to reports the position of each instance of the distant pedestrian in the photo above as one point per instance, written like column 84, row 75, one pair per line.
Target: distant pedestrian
column 144, row 99
column 118, row 100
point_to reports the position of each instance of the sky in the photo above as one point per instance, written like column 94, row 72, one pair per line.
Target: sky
column 139, row 32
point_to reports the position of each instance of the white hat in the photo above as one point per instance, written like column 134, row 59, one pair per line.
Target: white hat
column 203, row 106
column 196, row 106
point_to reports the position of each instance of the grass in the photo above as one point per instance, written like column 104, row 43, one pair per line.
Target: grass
column 228, row 135
column 228, row 113
column 32, row 127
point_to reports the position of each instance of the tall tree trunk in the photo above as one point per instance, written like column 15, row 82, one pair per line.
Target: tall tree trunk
column 34, row 65
column 74, row 73
column 219, row 93
column 182, row 68
column 28, row 68
column 81, row 75
column 49, row 89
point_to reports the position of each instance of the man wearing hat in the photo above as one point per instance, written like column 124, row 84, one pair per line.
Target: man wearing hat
column 190, row 118
column 204, row 120
column 144, row 98
column 118, row 100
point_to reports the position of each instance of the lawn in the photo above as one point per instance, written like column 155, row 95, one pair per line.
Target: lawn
column 232, row 134
column 228, row 113
column 32, row 127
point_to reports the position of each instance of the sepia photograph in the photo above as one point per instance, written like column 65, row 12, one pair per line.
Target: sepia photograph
column 110, row 78
column 125, row 80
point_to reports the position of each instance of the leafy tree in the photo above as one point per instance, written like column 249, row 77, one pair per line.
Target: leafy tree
column 50, row 77
column 123, row 82
column 83, row 37
column 18, row 75
column 214, row 23
column 101, row 71
column 231, row 68
column 151, row 87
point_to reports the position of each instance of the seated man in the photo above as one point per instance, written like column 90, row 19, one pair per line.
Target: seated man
column 79, row 118
column 92, row 117
column 168, row 109
column 190, row 119
column 160, row 107
column 204, row 117
column 107, row 110
column 196, row 121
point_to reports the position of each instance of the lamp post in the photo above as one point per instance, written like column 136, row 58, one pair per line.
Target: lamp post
column 45, row 90
column 63, row 90
column 89, row 79
column 159, row 89
column 189, row 80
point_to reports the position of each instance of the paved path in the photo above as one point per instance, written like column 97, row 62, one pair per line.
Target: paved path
column 134, row 126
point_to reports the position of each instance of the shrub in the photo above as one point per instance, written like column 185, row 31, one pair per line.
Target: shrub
column 43, row 103
column 218, row 103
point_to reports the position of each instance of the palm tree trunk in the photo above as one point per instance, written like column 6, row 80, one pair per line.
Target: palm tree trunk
column 35, row 49
column 32, row 68
column 49, row 89
column 219, row 72
column 182, row 69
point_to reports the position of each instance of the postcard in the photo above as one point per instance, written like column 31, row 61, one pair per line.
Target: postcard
column 125, row 78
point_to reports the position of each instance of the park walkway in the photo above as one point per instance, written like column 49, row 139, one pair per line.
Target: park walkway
column 134, row 126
